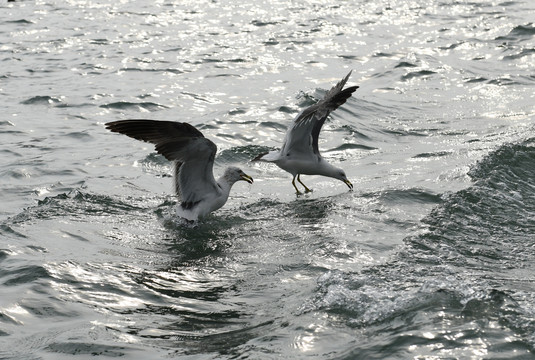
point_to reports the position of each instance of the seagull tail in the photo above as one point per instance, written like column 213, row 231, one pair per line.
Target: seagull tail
column 269, row 156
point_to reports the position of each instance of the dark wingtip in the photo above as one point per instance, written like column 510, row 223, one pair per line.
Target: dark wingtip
column 110, row 125
column 123, row 126
column 342, row 82
column 160, row 127
column 350, row 89
column 338, row 95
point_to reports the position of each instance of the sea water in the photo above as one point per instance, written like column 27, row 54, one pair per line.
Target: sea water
column 432, row 255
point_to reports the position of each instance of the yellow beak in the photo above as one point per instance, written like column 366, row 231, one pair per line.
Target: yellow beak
column 247, row 178
column 349, row 185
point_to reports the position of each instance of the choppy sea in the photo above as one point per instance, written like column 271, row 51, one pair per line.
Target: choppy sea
column 432, row 256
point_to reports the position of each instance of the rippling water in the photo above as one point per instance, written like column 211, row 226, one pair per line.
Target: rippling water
column 431, row 257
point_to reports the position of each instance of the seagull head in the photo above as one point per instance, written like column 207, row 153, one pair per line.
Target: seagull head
column 233, row 174
column 341, row 175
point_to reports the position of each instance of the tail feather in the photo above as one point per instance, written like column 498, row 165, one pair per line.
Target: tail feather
column 259, row 157
column 269, row 156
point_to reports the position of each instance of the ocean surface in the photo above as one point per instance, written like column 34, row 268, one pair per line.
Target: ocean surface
column 432, row 256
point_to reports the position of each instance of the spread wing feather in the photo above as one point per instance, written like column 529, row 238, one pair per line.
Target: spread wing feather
column 303, row 136
column 192, row 153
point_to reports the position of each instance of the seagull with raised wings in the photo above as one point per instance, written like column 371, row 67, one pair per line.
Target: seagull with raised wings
column 193, row 156
column 300, row 154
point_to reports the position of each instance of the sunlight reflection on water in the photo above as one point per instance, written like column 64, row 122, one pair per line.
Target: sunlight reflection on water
column 91, row 247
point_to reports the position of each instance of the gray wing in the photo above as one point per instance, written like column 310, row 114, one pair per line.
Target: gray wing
column 192, row 153
column 302, row 137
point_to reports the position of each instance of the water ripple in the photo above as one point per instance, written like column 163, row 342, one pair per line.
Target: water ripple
column 126, row 105
column 95, row 262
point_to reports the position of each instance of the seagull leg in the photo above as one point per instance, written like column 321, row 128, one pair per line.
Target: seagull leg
column 307, row 190
column 297, row 192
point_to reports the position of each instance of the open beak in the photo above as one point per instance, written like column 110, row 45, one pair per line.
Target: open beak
column 348, row 183
column 247, row 178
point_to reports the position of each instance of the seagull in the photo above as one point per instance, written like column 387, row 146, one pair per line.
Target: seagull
column 300, row 153
column 193, row 156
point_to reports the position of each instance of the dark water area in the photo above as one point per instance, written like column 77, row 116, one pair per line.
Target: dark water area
column 430, row 257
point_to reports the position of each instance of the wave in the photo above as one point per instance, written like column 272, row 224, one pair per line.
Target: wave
column 41, row 100
column 20, row 21
column 74, row 203
column 405, row 64
column 489, row 225
column 432, row 155
column 417, row 74
column 86, row 348
column 403, row 196
column 240, row 154
column 347, row 146
column 521, row 54
column 22, row 275
column 126, row 105
column 518, row 33
column 154, row 70
column 471, row 261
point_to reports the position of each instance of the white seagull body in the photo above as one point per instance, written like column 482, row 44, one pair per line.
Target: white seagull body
column 300, row 153
column 193, row 156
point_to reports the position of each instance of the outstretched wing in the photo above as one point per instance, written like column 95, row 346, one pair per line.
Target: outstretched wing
column 302, row 137
column 182, row 143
